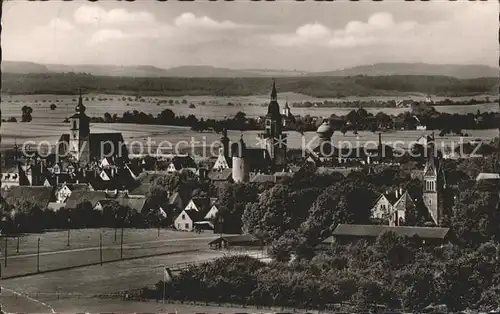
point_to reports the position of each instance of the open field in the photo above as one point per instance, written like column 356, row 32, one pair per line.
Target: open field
column 138, row 135
column 215, row 107
column 84, row 248
column 75, row 290
column 99, row 305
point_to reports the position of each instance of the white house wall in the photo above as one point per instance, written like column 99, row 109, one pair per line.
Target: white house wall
column 183, row 222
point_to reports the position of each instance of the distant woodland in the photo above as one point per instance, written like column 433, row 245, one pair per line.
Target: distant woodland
column 322, row 87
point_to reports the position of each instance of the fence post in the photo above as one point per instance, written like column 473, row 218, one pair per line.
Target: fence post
column 38, row 256
column 5, row 258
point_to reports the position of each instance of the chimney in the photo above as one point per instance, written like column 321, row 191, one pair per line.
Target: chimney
column 397, row 194
column 401, row 191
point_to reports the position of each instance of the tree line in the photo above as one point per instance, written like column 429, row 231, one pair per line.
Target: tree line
column 390, row 274
column 295, row 215
column 326, row 87
column 354, row 121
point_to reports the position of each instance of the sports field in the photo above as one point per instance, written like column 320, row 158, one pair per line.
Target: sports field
column 85, row 289
column 85, row 249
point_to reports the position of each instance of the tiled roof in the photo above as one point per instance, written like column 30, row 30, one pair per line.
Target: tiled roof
column 39, row 195
column 196, row 215
column 405, row 202
column 263, row 178
column 220, row 175
column 136, row 203
column 181, row 162
column 236, row 239
column 213, row 201
column 78, row 196
column 100, row 145
column 202, row 203
column 488, row 176
column 330, row 170
column 55, row 206
column 258, row 159
column 376, row 230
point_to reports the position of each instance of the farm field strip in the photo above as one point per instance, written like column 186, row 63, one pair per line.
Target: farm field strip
column 215, row 107
column 157, row 134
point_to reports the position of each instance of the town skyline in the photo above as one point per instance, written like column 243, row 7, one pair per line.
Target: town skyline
column 237, row 36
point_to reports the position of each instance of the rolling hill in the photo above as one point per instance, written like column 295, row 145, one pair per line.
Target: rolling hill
column 20, row 67
column 467, row 71
column 202, row 71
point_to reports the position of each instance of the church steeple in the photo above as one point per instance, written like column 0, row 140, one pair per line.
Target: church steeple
column 80, row 108
column 274, row 94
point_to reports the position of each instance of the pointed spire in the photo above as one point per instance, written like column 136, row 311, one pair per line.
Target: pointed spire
column 80, row 107
column 274, row 94
column 80, row 99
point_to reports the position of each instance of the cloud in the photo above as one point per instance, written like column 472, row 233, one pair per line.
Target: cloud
column 380, row 27
column 60, row 25
column 189, row 20
column 54, row 27
column 105, row 35
column 97, row 15
column 187, row 28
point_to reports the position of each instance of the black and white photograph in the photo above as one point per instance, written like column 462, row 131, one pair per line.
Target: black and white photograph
column 250, row 157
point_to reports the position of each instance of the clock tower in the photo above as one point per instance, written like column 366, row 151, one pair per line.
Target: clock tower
column 80, row 133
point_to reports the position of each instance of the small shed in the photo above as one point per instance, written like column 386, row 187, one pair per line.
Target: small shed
column 243, row 240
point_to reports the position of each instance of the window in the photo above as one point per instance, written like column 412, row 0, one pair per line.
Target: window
column 74, row 124
column 183, row 216
column 187, row 226
column 178, row 226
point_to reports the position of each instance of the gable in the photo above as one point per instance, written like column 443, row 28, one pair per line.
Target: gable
column 171, row 167
column 382, row 200
column 183, row 218
column 104, row 162
column 191, row 206
column 404, row 203
column 104, row 176
column 221, row 163
column 212, row 212
column 64, row 190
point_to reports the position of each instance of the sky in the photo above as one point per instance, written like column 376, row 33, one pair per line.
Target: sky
column 308, row 36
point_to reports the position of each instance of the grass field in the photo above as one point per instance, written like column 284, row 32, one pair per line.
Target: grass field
column 76, row 290
column 84, row 247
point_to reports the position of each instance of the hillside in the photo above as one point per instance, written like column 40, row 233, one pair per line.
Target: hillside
column 202, row 71
column 380, row 69
column 23, row 67
column 109, row 70
column 321, row 87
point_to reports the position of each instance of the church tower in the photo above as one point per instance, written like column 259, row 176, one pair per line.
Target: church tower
column 273, row 138
column 287, row 115
column 225, row 144
column 80, row 133
column 240, row 168
column 432, row 185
